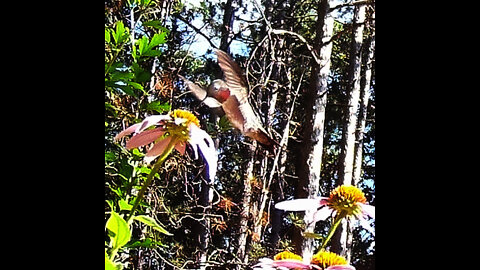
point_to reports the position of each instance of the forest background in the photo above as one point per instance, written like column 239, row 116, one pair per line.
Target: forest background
column 310, row 67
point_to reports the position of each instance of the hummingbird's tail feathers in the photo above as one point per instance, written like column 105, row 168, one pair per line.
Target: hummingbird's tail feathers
column 264, row 139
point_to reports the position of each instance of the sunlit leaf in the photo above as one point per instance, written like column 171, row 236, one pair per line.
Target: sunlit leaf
column 152, row 223
column 118, row 231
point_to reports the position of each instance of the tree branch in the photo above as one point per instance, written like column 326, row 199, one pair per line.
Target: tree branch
column 360, row 2
column 196, row 30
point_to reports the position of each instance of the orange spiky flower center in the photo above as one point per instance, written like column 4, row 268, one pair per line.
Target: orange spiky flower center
column 347, row 198
column 326, row 259
column 287, row 255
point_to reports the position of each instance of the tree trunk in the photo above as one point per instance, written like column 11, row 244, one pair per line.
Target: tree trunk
column 227, row 26
column 245, row 214
column 206, row 202
column 341, row 240
column 315, row 104
column 357, row 169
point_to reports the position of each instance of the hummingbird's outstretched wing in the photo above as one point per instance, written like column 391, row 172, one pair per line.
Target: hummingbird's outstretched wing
column 201, row 94
column 237, row 106
column 234, row 76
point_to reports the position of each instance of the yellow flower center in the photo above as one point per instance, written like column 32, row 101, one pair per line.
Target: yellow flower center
column 326, row 259
column 179, row 127
column 188, row 116
column 287, row 255
column 346, row 198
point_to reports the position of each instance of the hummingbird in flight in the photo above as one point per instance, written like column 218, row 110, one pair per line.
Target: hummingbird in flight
column 230, row 96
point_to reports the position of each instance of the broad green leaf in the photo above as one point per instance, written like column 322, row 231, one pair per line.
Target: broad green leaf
column 107, row 35
column 110, row 156
column 153, row 53
column 154, row 24
column 143, row 169
column 141, row 75
column 109, row 265
column 122, row 76
column 147, row 243
column 127, row 89
column 135, row 85
column 224, row 124
column 152, row 223
column 158, row 106
column 119, row 32
column 142, row 45
column 119, row 232
column 156, row 40
column 124, row 205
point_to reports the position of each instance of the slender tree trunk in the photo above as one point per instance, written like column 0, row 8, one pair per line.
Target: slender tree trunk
column 357, row 168
column 245, row 214
column 206, row 197
column 227, row 26
column 315, row 104
column 341, row 240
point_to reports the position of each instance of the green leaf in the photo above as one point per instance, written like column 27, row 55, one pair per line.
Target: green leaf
column 107, row 35
column 158, row 106
column 152, row 223
column 312, row 235
column 122, row 76
column 154, row 24
column 141, row 75
column 109, row 265
column 127, row 90
column 146, row 243
column 143, row 169
column 118, row 231
column 124, row 205
column 156, row 40
column 142, row 45
column 224, row 124
column 153, row 53
column 135, row 85
column 121, row 33
column 110, row 156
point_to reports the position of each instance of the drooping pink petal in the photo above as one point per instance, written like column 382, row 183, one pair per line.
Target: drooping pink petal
column 340, row 267
column 150, row 121
column 299, row 204
column 127, row 131
column 145, row 137
column 291, row 264
column 157, row 149
column 181, row 147
column 368, row 210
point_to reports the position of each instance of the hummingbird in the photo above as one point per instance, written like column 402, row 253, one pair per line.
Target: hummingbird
column 230, row 96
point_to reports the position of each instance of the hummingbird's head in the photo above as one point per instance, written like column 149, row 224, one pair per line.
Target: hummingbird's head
column 218, row 89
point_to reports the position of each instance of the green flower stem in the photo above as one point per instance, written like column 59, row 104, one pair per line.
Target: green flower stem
column 337, row 221
column 149, row 180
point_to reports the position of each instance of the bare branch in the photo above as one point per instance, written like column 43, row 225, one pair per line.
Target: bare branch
column 360, row 2
column 310, row 48
column 199, row 31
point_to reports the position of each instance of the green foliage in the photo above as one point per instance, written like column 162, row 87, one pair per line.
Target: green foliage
column 152, row 223
column 118, row 232
column 140, row 80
